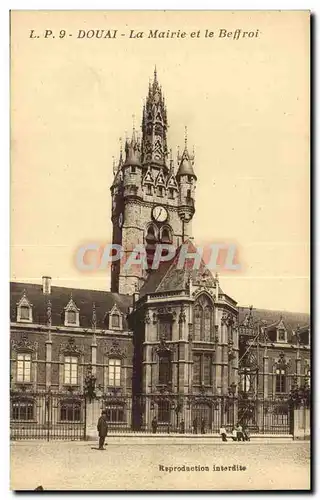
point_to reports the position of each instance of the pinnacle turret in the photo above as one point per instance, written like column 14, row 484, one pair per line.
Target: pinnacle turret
column 154, row 127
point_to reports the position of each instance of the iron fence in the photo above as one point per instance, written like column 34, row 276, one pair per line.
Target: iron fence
column 64, row 416
column 47, row 416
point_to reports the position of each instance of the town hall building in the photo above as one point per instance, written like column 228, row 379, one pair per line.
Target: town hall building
column 166, row 348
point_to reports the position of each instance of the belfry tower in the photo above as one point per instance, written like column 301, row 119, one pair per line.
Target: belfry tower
column 153, row 200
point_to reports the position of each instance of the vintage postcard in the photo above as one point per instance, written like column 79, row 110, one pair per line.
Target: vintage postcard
column 159, row 300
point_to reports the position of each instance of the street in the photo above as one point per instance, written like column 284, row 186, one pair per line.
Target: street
column 80, row 466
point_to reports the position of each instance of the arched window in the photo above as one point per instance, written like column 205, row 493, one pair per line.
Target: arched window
column 245, row 379
column 164, row 368
column 203, row 319
column 151, row 237
column 166, row 236
column 197, row 321
column 151, row 240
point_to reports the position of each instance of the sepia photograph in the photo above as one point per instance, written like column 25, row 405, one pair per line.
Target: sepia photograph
column 160, row 330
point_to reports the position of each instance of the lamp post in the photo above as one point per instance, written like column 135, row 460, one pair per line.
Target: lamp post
column 90, row 385
column 232, row 391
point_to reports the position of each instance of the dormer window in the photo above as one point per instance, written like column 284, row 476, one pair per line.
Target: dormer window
column 160, row 191
column 115, row 318
column 25, row 312
column 171, row 194
column 115, row 321
column 133, row 169
column 281, row 331
column 149, row 189
column 24, row 309
column 71, row 316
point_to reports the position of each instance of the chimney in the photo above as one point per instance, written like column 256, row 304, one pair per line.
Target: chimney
column 46, row 285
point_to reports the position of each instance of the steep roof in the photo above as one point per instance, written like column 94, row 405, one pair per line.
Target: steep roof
column 273, row 318
column 169, row 278
column 60, row 296
column 185, row 167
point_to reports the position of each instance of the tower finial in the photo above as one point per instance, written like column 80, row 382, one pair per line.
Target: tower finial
column 114, row 168
column 171, row 161
column 155, row 73
column 186, row 137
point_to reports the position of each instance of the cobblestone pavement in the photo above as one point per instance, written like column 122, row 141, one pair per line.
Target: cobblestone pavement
column 79, row 466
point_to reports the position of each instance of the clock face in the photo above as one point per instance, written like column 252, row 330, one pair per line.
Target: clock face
column 120, row 220
column 159, row 213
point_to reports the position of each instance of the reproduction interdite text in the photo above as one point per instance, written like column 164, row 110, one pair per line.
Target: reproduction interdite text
column 202, row 468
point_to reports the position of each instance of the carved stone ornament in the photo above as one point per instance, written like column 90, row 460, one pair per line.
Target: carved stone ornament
column 71, row 348
column 23, row 344
column 282, row 361
column 115, row 350
column 147, row 318
column 224, row 318
column 167, row 310
column 182, row 315
column 231, row 353
column 204, row 280
column 164, row 347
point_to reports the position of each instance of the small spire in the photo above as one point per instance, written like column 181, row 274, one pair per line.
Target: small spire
column 133, row 129
column 114, row 167
column 186, row 137
column 171, row 161
column 94, row 315
column 155, row 73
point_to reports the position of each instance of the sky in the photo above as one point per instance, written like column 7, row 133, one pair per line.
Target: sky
column 246, row 106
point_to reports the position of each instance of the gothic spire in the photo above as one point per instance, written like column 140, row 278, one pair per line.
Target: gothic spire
column 154, row 126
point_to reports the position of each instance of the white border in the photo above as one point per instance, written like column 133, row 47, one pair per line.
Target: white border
column 4, row 184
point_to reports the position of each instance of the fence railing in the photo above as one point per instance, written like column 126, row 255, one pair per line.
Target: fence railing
column 64, row 416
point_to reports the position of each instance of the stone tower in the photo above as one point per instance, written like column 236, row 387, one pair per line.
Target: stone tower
column 152, row 200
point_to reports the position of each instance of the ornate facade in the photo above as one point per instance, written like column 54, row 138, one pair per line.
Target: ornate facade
column 165, row 343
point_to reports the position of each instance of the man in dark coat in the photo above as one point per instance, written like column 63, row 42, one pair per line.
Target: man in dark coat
column 102, row 429
column 154, row 425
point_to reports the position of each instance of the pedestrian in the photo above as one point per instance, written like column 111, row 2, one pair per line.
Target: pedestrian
column 195, row 426
column 239, row 432
column 246, row 433
column 182, row 427
column 234, row 434
column 203, row 426
column 154, row 425
column 223, row 433
column 102, row 428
